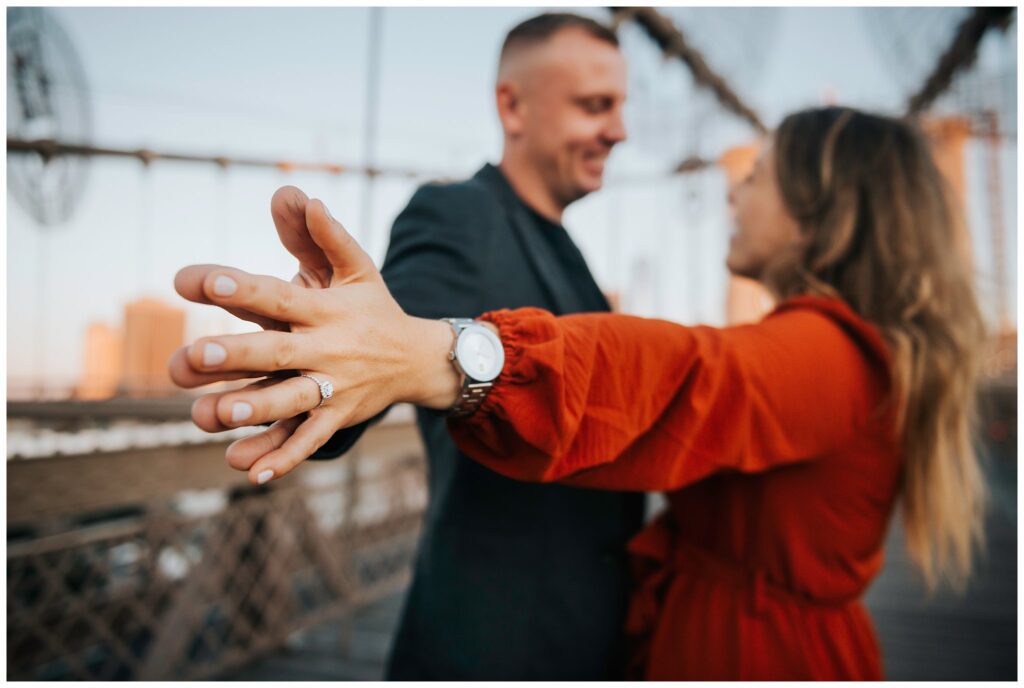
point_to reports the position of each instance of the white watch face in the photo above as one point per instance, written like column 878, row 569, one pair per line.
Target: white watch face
column 479, row 353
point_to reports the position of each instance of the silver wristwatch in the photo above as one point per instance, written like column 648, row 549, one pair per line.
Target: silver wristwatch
column 479, row 357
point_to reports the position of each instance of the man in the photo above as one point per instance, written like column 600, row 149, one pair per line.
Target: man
column 513, row 580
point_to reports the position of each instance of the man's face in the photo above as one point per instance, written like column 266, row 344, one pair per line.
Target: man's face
column 571, row 111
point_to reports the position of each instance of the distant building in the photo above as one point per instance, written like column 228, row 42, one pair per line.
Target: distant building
column 103, row 361
column 948, row 136
column 153, row 331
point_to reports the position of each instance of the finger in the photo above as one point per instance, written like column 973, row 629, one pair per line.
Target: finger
column 183, row 374
column 314, row 432
column 252, row 406
column 204, row 409
column 189, row 284
column 242, row 454
column 288, row 208
column 349, row 260
column 262, row 321
column 266, row 352
column 261, row 294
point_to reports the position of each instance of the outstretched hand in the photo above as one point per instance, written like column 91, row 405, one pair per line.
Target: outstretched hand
column 288, row 208
column 335, row 320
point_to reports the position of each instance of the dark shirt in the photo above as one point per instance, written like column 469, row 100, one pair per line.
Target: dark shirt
column 569, row 258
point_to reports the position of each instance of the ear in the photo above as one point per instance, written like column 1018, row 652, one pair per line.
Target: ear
column 510, row 107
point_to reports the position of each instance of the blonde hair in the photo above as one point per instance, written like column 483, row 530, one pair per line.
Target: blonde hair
column 882, row 230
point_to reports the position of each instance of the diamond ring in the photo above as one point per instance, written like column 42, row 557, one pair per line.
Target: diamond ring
column 325, row 387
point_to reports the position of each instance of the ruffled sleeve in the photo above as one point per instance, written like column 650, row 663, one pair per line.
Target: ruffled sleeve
column 626, row 403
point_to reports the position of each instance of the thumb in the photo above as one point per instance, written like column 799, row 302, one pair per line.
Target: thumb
column 350, row 261
column 288, row 208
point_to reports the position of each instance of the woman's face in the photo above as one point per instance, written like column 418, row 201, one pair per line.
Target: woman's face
column 763, row 226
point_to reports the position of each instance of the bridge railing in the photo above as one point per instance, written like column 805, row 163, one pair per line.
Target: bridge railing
column 164, row 563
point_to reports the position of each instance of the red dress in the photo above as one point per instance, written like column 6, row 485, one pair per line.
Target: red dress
column 774, row 444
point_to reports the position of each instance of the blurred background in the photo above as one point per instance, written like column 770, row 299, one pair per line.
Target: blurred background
column 143, row 140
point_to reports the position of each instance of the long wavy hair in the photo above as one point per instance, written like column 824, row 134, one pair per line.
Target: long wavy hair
column 884, row 232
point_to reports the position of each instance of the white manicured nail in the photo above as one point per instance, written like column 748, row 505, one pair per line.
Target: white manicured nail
column 224, row 286
column 214, row 354
column 240, row 411
column 264, row 476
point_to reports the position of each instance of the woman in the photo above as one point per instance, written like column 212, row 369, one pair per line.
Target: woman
column 782, row 446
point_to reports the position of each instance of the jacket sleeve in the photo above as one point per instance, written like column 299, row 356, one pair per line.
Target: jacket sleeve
column 432, row 268
column 619, row 402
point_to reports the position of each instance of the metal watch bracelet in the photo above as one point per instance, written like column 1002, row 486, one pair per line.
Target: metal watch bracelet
column 472, row 392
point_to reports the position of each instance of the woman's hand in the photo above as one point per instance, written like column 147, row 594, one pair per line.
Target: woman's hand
column 288, row 208
column 351, row 333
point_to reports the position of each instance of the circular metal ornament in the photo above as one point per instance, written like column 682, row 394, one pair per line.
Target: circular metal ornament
column 47, row 99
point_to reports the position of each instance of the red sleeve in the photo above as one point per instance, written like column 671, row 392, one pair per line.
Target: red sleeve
column 626, row 403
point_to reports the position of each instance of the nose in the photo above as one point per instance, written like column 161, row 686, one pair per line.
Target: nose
column 615, row 132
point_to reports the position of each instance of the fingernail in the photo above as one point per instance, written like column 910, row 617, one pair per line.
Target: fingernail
column 326, row 211
column 264, row 476
column 224, row 286
column 214, row 354
column 240, row 411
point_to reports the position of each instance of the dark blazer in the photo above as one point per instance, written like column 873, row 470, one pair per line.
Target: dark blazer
column 512, row 580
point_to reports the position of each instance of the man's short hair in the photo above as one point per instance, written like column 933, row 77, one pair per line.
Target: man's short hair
column 538, row 29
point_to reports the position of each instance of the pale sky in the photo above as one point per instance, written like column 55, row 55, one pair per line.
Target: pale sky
column 290, row 84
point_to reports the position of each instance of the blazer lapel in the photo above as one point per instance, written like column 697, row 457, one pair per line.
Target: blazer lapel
column 549, row 273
